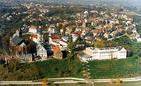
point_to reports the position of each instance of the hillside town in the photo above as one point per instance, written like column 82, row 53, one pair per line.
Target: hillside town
column 43, row 36
column 55, row 41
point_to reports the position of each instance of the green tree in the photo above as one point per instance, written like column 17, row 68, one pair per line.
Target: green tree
column 71, row 45
column 100, row 43
column 45, row 37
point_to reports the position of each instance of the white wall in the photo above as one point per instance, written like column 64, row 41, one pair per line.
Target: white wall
column 98, row 54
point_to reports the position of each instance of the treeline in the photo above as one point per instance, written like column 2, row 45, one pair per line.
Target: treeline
column 15, row 71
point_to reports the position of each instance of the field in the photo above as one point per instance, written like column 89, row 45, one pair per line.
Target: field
column 130, row 67
column 138, row 20
column 59, row 68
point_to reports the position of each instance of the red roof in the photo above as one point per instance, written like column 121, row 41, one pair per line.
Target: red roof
column 55, row 37
column 77, row 33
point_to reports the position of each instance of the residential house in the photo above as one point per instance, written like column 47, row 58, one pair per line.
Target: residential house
column 75, row 35
column 17, row 46
column 34, row 34
column 80, row 44
column 69, row 29
column 41, row 52
column 57, row 52
column 52, row 29
column 53, row 39
column 63, row 45
column 33, row 29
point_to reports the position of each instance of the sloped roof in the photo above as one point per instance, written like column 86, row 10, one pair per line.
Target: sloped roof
column 17, row 40
column 56, row 49
column 78, row 33
column 55, row 37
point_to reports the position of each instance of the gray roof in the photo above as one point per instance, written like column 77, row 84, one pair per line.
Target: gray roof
column 17, row 40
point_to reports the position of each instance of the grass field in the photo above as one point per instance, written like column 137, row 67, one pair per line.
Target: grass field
column 59, row 68
column 137, row 19
column 129, row 67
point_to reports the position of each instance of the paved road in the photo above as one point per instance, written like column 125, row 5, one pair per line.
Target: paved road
column 19, row 82
column 39, row 83
column 69, row 80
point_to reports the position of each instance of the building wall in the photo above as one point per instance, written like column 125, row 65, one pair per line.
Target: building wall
column 41, row 51
column 57, row 52
column 122, row 54
column 98, row 54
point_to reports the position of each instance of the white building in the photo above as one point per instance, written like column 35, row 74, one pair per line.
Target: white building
column 52, row 29
column 33, row 29
column 103, row 53
column 41, row 51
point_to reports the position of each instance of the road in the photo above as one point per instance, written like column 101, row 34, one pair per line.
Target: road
column 19, row 83
column 69, row 81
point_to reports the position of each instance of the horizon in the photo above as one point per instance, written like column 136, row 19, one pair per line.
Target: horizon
column 83, row 2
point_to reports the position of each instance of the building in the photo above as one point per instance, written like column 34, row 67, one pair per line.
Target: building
column 33, row 29
column 57, row 52
column 29, row 48
column 17, row 46
column 52, row 29
column 41, row 52
column 103, row 53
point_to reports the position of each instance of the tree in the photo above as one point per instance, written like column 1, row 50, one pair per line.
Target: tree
column 100, row 43
column 45, row 37
column 60, row 26
column 125, row 40
column 71, row 45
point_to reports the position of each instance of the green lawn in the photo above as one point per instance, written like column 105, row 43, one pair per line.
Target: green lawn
column 129, row 67
column 59, row 68
column 137, row 19
column 136, row 49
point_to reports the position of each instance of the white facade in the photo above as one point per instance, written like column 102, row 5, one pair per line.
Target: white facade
column 41, row 51
column 105, row 53
column 74, row 37
column 52, row 29
column 33, row 29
